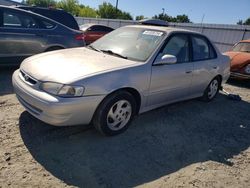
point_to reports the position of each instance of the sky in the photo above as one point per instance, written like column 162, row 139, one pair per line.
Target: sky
column 214, row 11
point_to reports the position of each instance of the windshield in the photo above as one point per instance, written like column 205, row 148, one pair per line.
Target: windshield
column 130, row 43
column 242, row 47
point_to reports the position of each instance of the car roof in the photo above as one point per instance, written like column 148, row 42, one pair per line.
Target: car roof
column 163, row 28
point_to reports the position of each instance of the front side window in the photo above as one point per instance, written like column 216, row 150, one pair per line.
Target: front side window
column 16, row 20
column 130, row 42
column 178, row 45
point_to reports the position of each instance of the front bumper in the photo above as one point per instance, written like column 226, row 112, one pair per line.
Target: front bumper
column 55, row 110
column 239, row 75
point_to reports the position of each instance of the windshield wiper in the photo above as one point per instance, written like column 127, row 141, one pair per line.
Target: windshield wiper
column 93, row 48
column 114, row 53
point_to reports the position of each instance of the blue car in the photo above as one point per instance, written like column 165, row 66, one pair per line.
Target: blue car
column 25, row 33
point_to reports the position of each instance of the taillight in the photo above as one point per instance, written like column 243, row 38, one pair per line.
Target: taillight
column 80, row 36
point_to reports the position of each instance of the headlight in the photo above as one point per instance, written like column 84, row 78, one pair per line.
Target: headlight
column 62, row 90
column 247, row 69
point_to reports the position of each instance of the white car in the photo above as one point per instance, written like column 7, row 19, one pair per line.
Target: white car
column 128, row 71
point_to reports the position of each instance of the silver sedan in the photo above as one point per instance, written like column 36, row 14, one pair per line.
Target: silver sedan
column 131, row 70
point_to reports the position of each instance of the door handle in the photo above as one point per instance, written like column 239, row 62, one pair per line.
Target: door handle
column 215, row 67
column 188, row 72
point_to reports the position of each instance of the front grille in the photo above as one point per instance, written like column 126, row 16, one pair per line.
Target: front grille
column 27, row 78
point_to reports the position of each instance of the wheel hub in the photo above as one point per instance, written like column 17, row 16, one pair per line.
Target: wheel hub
column 119, row 115
column 213, row 88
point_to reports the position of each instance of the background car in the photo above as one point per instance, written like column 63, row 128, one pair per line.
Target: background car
column 240, row 60
column 92, row 32
column 58, row 15
column 135, row 69
column 24, row 33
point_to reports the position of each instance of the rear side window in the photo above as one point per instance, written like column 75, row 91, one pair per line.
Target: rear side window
column 100, row 28
column 202, row 49
column 47, row 25
column 18, row 20
column 95, row 28
column 107, row 29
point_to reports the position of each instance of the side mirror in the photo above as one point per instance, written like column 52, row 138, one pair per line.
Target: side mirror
column 166, row 59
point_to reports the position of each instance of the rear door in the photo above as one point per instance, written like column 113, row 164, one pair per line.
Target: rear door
column 204, row 60
column 172, row 82
column 20, row 36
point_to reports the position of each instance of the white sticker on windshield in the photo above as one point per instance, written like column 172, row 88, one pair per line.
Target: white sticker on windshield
column 154, row 33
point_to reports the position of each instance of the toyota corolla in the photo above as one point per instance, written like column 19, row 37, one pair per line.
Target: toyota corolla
column 129, row 71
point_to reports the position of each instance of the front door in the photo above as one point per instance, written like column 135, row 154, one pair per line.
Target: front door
column 171, row 82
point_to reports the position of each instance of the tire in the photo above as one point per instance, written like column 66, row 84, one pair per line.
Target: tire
column 211, row 90
column 115, row 113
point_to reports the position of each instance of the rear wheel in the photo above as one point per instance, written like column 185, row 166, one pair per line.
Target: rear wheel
column 212, row 90
column 115, row 113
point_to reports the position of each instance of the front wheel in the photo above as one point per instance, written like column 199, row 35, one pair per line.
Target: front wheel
column 115, row 113
column 212, row 90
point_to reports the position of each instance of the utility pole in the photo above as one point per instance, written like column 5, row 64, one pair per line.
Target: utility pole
column 116, row 6
column 163, row 11
column 203, row 16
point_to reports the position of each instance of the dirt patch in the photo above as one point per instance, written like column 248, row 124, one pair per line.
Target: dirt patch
column 188, row 144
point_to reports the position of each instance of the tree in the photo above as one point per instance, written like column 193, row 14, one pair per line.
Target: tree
column 240, row 22
column 124, row 15
column 179, row 18
column 86, row 11
column 163, row 16
column 141, row 17
column 70, row 6
column 182, row 19
column 41, row 3
column 246, row 22
column 107, row 10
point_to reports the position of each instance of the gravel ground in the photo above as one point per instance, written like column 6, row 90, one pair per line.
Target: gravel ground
column 188, row 144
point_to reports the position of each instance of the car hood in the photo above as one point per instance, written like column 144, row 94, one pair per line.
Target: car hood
column 67, row 66
column 238, row 59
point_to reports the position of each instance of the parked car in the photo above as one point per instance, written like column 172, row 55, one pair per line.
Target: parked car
column 129, row 71
column 92, row 32
column 58, row 15
column 240, row 60
column 23, row 33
